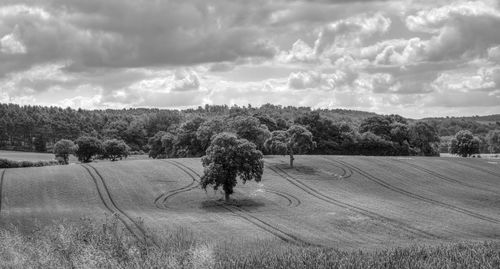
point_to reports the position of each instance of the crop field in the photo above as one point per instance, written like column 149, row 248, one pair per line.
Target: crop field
column 338, row 201
column 28, row 156
column 34, row 156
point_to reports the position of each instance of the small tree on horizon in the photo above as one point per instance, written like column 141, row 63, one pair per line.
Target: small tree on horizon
column 227, row 158
column 88, row 147
column 115, row 149
column 296, row 140
column 63, row 148
column 464, row 144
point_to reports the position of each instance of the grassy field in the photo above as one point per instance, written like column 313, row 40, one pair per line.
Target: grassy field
column 28, row 156
column 34, row 156
column 89, row 244
column 333, row 201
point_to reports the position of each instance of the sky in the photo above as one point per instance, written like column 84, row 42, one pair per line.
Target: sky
column 416, row 58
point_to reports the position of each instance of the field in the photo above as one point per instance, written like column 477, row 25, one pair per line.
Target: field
column 28, row 156
column 336, row 201
column 34, row 156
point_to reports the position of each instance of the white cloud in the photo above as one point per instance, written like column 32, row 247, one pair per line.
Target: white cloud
column 82, row 102
column 377, row 83
column 405, row 53
column 494, row 54
column 300, row 52
column 304, row 80
column 485, row 80
column 11, row 44
column 460, row 29
column 433, row 20
column 185, row 81
column 351, row 31
column 317, row 80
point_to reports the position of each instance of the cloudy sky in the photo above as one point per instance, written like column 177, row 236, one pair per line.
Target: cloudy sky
column 415, row 58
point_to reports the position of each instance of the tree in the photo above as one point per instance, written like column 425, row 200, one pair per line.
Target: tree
column 493, row 139
column 168, row 143
column 464, row 144
column 424, row 139
column 267, row 121
column 372, row 144
column 227, row 158
column 88, row 147
column 135, row 135
column 297, row 139
column 251, row 129
column 40, row 144
column 400, row 135
column 378, row 125
column 63, row 148
column 156, row 149
column 209, row 129
column 187, row 144
column 114, row 149
column 116, row 129
column 331, row 138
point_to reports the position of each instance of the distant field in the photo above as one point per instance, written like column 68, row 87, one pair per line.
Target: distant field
column 483, row 155
column 26, row 156
column 338, row 201
column 34, row 156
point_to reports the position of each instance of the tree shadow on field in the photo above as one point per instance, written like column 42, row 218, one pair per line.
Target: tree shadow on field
column 218, row 205
column 307, row 170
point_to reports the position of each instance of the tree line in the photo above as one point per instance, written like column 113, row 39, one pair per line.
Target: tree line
column 187, row 133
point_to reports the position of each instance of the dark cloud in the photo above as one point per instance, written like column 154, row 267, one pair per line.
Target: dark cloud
column 130, row 33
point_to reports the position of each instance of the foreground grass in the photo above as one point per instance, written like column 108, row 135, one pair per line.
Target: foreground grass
column 87, row 244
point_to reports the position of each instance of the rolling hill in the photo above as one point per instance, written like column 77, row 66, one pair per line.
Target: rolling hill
column 339, row 201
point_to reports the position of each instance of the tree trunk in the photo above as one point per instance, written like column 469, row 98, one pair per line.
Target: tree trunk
column 290, row 151
column 226, row 197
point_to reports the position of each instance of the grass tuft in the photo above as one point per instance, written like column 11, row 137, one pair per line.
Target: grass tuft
column 88, row 244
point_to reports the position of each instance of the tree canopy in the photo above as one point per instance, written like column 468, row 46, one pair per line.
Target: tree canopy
column 464, row 144
column 335, row 131
column 493, row 139
column 63, row 148
column 296, row 140
column 115, row 149
column 88, row 147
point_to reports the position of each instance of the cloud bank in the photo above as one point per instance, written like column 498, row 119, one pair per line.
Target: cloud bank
column 423, row 58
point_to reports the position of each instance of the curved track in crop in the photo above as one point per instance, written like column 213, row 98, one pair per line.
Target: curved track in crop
column 161, row 201
column 479, row 169
column 277, row 232
column 443, row 177
column 110, row 204
column 346, row 171
column 315, row 193
column 419, row 197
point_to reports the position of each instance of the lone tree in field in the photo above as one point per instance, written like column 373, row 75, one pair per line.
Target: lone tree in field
column 63, row 148
column 227, row 158
column 296, row 140
column 115, row 149
column 88, row 147
column 464, row 144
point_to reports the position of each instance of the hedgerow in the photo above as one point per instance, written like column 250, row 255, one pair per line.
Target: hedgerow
column 6, row 163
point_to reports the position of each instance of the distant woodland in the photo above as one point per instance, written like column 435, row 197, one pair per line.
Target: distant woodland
column 187, row 133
